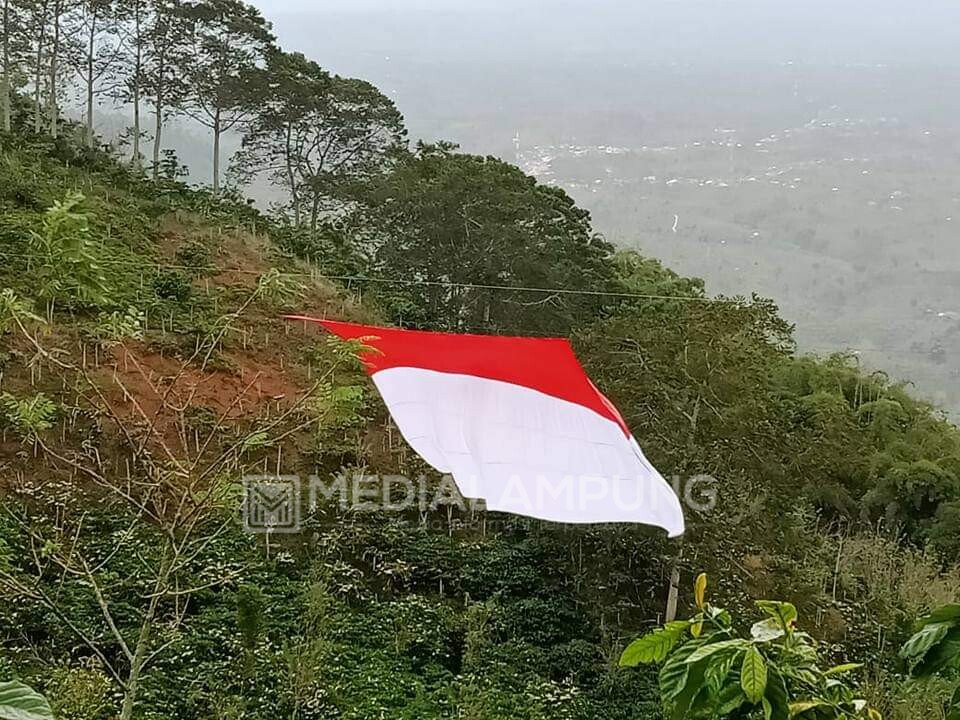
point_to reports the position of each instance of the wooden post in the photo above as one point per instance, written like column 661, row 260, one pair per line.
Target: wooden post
column 673, row 591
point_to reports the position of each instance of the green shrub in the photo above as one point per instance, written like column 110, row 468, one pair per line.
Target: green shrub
column 172, row 285
column 80, row 694
column 66, row 262
column 707, row 671
column 194, row 257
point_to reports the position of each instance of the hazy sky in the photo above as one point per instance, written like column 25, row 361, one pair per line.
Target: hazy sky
column 718, row 31
column 456, row 68
column 854, row 101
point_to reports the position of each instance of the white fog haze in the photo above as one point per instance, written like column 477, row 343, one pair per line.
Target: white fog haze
column 809, row 152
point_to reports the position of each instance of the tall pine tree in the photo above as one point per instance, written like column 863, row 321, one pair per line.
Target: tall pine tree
column 223, row 69
column 315, row 131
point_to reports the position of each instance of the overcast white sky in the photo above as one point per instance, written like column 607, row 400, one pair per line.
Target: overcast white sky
column 870, row 31
column 448, row 62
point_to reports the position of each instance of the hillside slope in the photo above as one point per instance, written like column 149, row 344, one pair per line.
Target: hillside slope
column 146, row 369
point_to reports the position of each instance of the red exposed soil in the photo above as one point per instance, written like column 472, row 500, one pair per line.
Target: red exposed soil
column 158, row 386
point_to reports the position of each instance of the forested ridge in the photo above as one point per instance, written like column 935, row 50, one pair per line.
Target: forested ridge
column 145, row 368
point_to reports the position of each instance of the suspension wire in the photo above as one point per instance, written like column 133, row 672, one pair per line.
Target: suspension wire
column 315, row 275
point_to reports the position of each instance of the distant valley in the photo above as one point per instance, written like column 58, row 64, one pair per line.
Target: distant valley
column 849, row 223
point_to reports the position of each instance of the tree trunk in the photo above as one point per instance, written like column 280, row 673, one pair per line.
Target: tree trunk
column 5, row 88
column 91, row 50
column 673, row 592
column 38, row 73
column 137, row 75
column 132, row 688
column 157, row 132
column 315, row 211
column 216, row 152
column 54, row 58
column 135, row 159
column 291, row 177
column 158, row 107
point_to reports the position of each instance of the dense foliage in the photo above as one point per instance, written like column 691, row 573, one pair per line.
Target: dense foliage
column 457, row 233
column 708, row 672
column 934, row 649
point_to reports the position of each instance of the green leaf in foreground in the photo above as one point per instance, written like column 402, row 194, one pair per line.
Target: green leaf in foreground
column 944, row 614
column 655, row 646
column 921, row 642
column 797, row 708
column 783, row 612
column 943, row 653
column 753, row 675
column 707, row 650
column 21, row 702
column 776, row 700
column 841, row 669
column 775, row 675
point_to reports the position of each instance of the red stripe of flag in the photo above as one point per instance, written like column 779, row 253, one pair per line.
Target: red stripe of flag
column 547, row 365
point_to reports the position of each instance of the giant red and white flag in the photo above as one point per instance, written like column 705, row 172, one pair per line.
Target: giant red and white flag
column 516, row 422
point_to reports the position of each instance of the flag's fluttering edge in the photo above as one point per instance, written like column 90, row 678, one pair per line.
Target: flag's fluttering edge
column 517, row 422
